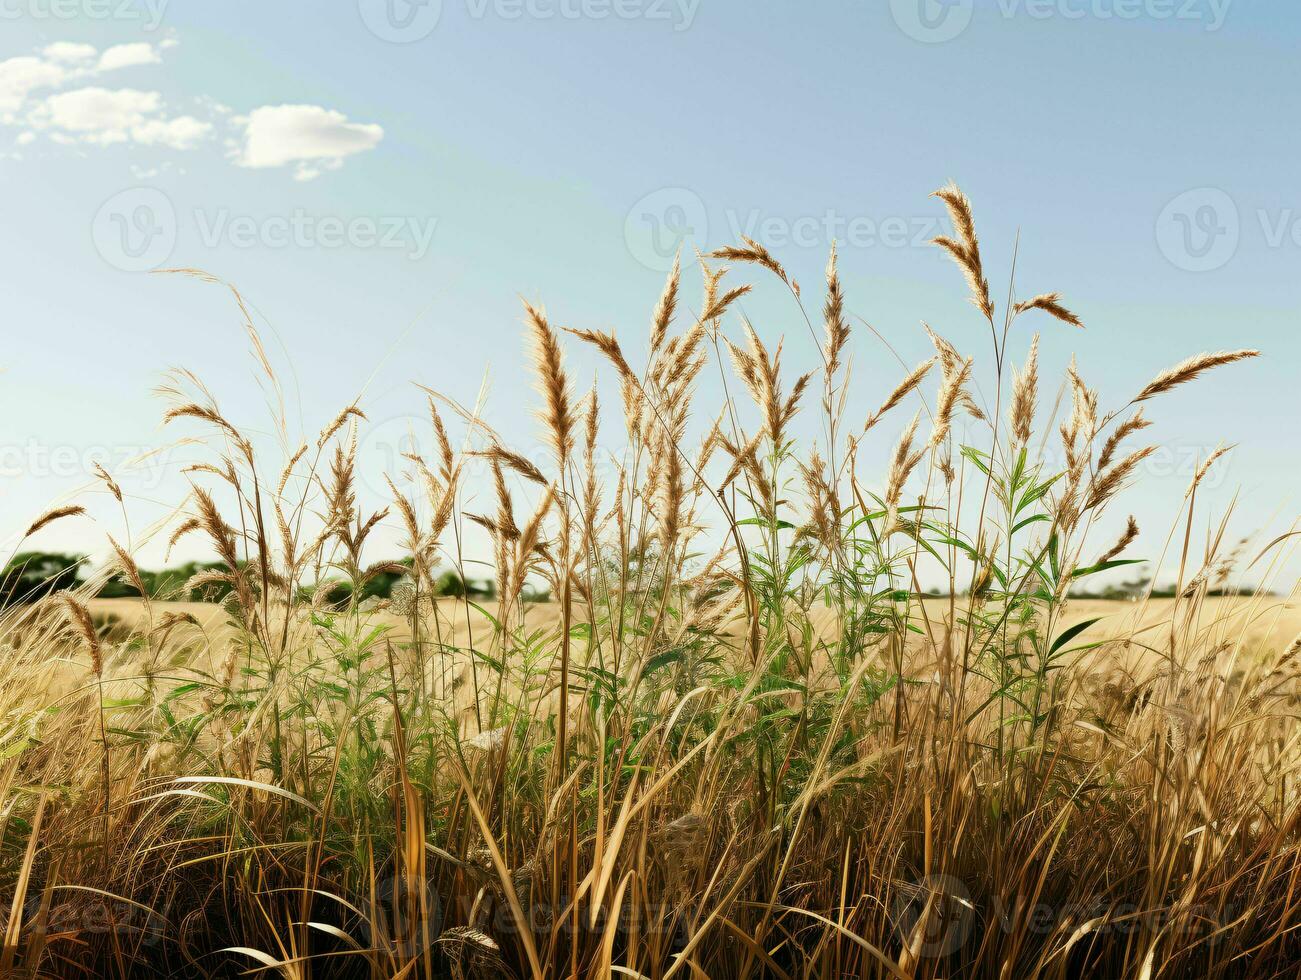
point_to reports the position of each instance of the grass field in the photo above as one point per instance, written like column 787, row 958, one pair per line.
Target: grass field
column 738, row 742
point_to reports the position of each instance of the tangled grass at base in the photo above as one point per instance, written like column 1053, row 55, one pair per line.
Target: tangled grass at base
column 678, row 773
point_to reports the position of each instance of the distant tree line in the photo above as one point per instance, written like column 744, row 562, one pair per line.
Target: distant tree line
column 32, row 575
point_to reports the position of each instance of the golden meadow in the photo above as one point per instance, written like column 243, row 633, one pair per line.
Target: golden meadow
column 708, row 725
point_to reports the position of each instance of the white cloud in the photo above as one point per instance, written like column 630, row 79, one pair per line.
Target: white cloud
column 98, row 115
column 128, row 56
column 278, row 135
column 21, row 76
column 54, row 94
column 60, row 63
column 105, row 116
column 180, row 133
column 69, row 52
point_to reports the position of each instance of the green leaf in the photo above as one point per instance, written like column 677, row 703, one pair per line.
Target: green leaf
column 1033, row 519
column 1071, row 633
column 978, row 459
column 1102, row 566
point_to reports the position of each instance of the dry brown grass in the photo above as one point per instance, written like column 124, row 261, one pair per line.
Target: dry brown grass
column 740, row 743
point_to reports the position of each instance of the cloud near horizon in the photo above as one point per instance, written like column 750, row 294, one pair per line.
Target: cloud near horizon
column 57, row 93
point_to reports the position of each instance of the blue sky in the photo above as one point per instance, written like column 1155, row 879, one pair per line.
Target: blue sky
column 384, row 182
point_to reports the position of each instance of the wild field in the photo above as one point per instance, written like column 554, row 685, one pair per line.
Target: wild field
column 737, row 740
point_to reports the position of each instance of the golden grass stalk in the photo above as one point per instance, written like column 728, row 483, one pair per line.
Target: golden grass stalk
column 1124, row 541
column 52, row 515
column 1187, row 370
column 901, row 391
column 558, row 415
column 835, row 326
column 1025, row 393
column 1051, row 304
column 757, row 254
column 965, row 249
column 664, row 308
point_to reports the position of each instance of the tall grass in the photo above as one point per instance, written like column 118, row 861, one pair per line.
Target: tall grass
column 736, row 743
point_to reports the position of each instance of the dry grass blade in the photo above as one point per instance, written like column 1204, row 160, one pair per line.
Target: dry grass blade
column 52, row 515
column 498, row 453
column 1108, row 482
column 607, row 345
column 733, row 711
column 755, row 253
column 1187, row 370
column 108, row 481
column 720, row 305
column 340, row 420
column 665, row 308
column 1124, row 541
column 554, row 385
column 1025, row 393
column 1051, row 304
column 966, row 249
column 901, row 391
column 85, row 625
column 833, row 317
